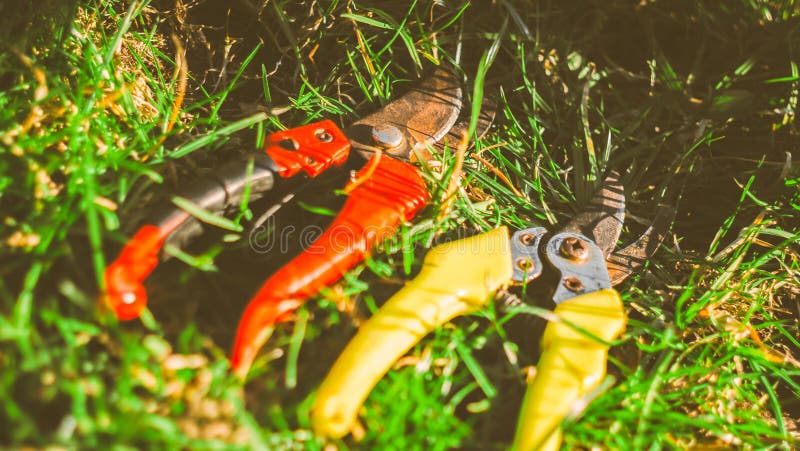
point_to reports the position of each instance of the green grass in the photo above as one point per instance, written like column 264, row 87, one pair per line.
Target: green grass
column 697, row 100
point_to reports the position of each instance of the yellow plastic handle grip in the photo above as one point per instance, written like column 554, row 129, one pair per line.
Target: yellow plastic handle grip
column 455, row 278
column 571, row 365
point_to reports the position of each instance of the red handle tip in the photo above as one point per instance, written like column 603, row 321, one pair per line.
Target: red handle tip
column 125, row 294
column 127, row 298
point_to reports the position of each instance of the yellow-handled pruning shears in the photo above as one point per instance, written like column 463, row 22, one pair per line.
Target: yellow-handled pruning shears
column 462, row 276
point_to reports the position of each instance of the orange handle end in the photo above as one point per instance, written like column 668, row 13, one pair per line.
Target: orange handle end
column 125, row 294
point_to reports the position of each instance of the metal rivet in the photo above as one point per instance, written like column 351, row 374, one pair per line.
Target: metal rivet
column 574, row 249
column 525, row 264
column 528, row 239
column 573, row 284
column 323, row 135
column 387, row 136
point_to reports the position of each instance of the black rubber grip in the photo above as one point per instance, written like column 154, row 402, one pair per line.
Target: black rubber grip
column 219, row 193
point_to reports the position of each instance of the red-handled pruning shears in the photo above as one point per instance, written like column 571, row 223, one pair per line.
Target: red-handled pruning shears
column 577, row 265
column 385, row 192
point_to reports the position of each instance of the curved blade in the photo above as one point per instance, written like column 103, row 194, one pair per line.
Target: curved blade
column 602, row 220
column 423, row 116
column 485, row 119
column 624, row 262
column 455, row 134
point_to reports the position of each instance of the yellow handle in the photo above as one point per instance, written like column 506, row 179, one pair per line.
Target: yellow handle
column 572, row 364
column 456, row 278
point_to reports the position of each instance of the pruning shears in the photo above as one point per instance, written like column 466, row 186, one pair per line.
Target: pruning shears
column 387, row 190
column 578, row 264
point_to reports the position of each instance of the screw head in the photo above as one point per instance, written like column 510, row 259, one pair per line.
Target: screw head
column 574, row 249
column 573, row 284
column 387, row 136
column 323, row 135
column 525, row 264
column 527, row 239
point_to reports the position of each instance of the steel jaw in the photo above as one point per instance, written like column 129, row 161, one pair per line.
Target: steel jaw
column 602, row 223
column 584, row 251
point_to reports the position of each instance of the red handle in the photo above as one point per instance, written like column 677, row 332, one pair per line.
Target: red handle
column 312, row 148
column 125, row 293
column 392, row 191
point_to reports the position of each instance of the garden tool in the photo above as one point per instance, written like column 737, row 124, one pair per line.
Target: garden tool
column 387, row 190
column 579, row 265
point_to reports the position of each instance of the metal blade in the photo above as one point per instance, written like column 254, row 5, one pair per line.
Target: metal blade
column 624, row 262
column 485, row 119
column 602, row 220
column 420, row 118
column 453, row 137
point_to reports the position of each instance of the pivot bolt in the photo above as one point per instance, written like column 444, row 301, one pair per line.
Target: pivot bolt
column 323, row 135
column 387, row 136
column 574, row 249
column 573, row 284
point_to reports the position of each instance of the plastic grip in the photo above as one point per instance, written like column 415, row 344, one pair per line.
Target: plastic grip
column 124, row 278
column 125, row 294
column 394, row 192
column 572, row 364
column 455, row 278
column 314, row 148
